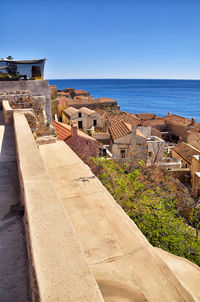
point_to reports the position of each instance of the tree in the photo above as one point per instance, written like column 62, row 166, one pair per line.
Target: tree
column 151, row 202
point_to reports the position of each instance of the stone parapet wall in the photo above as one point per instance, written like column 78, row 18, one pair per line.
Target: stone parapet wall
column 23, row 99
column 59, row 270
column 36, row 88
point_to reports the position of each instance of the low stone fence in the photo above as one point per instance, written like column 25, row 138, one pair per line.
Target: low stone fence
column 8, row 112
column 58, row 268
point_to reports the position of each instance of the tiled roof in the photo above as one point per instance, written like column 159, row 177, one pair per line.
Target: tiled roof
column 118, row 129
column 100, row 111
column 145, row 116
column 180, row 120
column 81, row 92
column 83, row 100
column 86, row 110
column 186, row 151
column 71, row 110
column 105, row 100
column 154, row 122
column 122, row 117
column 63, row 132
column 79, row 132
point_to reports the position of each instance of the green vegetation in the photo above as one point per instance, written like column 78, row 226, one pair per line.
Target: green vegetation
column 156, row 203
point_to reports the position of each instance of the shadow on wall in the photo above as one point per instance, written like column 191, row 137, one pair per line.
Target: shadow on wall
column 117, row 291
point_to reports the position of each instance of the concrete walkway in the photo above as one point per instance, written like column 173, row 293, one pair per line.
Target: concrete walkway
column 14, row 283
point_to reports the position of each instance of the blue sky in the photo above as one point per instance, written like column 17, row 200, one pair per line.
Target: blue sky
column 105, row 39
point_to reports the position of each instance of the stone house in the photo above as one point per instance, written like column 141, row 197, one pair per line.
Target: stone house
column 135, row 143
column 85, row 118
column 193, row 139
column 180, row 127
column 184, row 152
column 82, row 144
column 79, row 98
column 122, row 141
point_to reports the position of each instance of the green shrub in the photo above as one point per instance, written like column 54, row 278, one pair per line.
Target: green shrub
column 155, row 206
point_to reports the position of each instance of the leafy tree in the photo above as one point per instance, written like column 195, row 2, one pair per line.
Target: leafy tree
column 156, row 204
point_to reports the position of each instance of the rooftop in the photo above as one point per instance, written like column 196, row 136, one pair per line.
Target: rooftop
column 86, row 110
column 122, row 117
column 119, row 129
column 63, row 132
column 145, row 116
column 186, row 151
column 71, row 110
column 180, row 120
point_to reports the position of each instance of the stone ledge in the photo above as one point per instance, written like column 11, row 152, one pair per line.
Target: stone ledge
column 59, row 270
column 8, row 112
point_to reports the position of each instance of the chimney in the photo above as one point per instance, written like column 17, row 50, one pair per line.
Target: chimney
column 134, row 131
column 74, row 128
column 169, row 113
column 192, row 121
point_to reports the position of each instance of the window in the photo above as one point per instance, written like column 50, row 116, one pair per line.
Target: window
column 94, row 123
column 123, row 153
column 150, row 154
column 80, row 124
column 79, row 114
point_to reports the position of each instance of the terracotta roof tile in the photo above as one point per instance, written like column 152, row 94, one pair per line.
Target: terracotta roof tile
column 145, row 116
column 63, row 133
column 154, row 122
column 118, row 129
column 186, row 151
column 122, row 117
column 180, row 120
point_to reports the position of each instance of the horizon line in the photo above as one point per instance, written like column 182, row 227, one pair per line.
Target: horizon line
column 173, row 79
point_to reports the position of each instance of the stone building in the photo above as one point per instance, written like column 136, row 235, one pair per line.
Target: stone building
column 135, row 143
column 79, row 98
column 193, row 139
column 184, row 152
column 85, row 118
column 82, row 144
column 122, row 141
column 179, row 126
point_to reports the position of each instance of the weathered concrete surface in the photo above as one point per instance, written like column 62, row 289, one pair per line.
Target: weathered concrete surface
column 35, row 87
column 14, row 281
column 60, row 269
column 185, row 271
column 125, row 265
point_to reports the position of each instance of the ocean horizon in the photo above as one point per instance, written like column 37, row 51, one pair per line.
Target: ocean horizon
column 158, row 96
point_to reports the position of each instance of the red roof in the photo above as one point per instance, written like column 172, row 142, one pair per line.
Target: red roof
column 63, row 133
column 186, row 151
column 118, row 129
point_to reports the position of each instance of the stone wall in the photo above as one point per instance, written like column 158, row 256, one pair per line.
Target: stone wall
column 36, row 88
column 181, row 174
column 58, row 267
column 23, row 99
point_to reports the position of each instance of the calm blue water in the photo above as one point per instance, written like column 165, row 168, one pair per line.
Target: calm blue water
column 180, row 97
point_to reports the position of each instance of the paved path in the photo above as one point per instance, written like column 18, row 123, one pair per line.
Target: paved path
column 14, row 286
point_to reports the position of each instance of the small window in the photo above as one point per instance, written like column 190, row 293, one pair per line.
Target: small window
column 94, row 123
column 123, row 153
column 80, row 125
column 150, row 154
column 79, row 114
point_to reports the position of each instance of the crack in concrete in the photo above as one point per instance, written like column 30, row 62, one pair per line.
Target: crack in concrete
column 115, row 258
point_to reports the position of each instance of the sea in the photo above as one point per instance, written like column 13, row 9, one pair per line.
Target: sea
column 159, row 97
